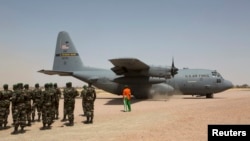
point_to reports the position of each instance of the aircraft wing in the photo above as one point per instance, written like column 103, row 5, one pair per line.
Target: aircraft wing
column 51, row 72
column 128, row 66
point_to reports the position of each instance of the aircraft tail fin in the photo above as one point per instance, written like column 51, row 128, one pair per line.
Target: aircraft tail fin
column 66, row 58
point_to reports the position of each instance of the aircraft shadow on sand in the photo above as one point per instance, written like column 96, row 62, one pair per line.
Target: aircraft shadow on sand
column 119, row 101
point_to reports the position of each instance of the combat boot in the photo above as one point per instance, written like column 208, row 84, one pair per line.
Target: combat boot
column 14, row 121
column 22, row 129
column 56, row 116
column 29, row 123
column 33, row 118
column 53, row 117
column 44, row 125
column 15, row 131
column 71, row 123
column 64, row 118
column 87, row 121
column 39, row 116
column 91, row 120
column 49, row 125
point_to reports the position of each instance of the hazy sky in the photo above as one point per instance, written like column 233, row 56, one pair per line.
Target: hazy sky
column 209, row 34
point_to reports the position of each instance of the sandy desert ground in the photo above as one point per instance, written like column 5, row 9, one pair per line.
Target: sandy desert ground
column 178, row 118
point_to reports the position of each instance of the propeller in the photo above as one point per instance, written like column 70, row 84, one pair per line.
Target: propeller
column 173, row 70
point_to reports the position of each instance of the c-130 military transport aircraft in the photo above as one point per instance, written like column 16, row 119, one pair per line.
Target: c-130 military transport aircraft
column 144, row 80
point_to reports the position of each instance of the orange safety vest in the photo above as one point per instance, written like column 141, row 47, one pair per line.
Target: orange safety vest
column 126, row 93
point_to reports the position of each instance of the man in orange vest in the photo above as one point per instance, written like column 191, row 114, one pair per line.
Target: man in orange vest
column 126, row 98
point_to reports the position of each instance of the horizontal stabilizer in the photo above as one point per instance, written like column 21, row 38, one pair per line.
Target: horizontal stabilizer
column 51, row 72
column 93, row 79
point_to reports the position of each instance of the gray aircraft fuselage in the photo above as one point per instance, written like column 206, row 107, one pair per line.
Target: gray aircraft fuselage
column 201, row 82
column 144, row 80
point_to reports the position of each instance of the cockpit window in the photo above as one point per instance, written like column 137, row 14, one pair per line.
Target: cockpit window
column 218, row 80
column 218, row 74
column 214, row 73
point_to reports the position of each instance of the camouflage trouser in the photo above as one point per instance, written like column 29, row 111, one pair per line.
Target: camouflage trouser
column 36, row 107
column 57, row 108
column 28, row 111
column 12, row 112
column 84, row 107
column 4, row 113
column 20, row 116
column 90, row 108
column 53, row 110
column 70, row 106
column 47, row 114
column 64, row 109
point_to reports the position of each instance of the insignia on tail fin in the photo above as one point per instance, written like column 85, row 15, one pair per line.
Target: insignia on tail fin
column 66, row 56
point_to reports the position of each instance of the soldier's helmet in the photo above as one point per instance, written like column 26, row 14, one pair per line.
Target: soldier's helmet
column 5, row 86
column 84, row 87
column 46, row 85
column 37, row 85
column 55, row 85
column 50, row 85
column 69, row 84
column 26, row 86
column 90, row 84
column 20, row 85
column 14, row 86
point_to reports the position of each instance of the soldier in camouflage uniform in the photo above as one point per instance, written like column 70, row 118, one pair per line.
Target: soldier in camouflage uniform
column 47, row 100
column 5, row 97
column 83, row 95
column 70, row 94
column 90, row 99
column 36, row 98
column 64, row 108
column 19, row 102
column 57, row 98
column 15, row 88
column 28, row 94
column 53, row 92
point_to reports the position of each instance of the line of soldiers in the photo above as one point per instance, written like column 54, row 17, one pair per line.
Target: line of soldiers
column 26, row 103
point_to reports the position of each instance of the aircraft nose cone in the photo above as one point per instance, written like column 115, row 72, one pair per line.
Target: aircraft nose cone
column 228, row 84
